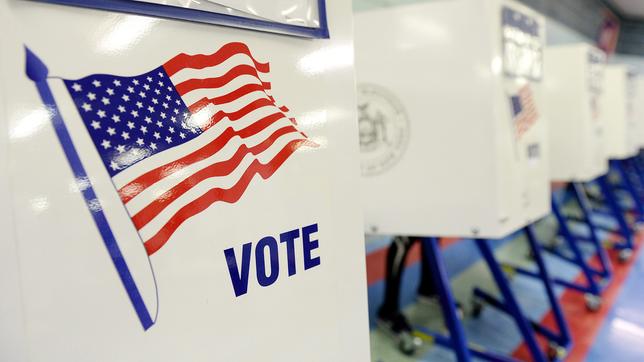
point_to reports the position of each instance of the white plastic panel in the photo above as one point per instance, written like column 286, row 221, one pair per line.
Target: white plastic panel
column 306, row 304
column 638, row 111
column 455, row 143
column 573, row 85
column 12, row 334
column 617, row 112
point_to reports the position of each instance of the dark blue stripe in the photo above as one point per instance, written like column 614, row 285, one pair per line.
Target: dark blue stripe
column 174, row 12
column 92, row 201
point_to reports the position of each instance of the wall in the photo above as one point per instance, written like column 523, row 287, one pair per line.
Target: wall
column 631, row 40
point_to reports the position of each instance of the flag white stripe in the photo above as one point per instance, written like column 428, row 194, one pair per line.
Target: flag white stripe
column 223, row 182
column 235, row 105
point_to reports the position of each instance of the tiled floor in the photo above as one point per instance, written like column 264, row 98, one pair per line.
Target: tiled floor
column 621, row 337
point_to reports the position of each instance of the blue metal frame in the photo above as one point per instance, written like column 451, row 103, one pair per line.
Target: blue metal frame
column 174, row 12
column 457, row 341
column 586, row 209
column 592, row 286
column 639, row 170
column 617, row 213
column 635, row 168
column 509, row 303
column 563, row 337
column 621, row 167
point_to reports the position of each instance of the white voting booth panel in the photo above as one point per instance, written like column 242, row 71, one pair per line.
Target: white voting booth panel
column 11, row 328
column 638, row 111
column 180, row 191
column 573, row 80
column 617, row 112
column 451, row 139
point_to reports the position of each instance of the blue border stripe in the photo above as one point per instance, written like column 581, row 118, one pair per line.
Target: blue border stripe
column 175, row 12
column 93, row 204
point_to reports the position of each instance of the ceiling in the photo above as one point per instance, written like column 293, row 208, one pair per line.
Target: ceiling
column 630, row 8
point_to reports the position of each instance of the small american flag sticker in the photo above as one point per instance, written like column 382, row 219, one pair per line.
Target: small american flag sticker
column 524, row 110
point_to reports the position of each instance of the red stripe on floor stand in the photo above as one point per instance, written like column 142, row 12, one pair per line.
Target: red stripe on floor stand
column 377, row 260
column 585, row 325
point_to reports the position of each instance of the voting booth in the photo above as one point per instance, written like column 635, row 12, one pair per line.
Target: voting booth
column 179, row 182
column 573, row 85
column 452, row 135
column 617, row 112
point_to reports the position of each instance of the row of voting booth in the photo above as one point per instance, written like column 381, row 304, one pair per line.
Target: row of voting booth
column 186, row 180
column 466, row 119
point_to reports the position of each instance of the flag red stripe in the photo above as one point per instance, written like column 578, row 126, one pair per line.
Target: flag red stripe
column 230, row 195
column 218, row 82
column 237, row 115
column 200, row 61
column 227, row 98
column 145, row 215
column 135, row 187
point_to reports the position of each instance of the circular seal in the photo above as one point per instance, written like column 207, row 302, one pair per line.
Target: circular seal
column 384, row 129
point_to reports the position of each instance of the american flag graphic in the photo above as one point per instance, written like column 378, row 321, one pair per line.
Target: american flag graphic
column 524, row 110
column 192, row 132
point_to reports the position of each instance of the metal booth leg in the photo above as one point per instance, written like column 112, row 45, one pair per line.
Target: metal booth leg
column 559, row 340
column 639, row 173
column 591, row 288
column 584, row 205
column 626, row 246
column 510, row 302
column 620, row 166
column 578, row 257
column 564, row 339
column 456, row 340
column 457, row 337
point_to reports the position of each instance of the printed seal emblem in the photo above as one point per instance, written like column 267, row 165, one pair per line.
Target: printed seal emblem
column 384, row 129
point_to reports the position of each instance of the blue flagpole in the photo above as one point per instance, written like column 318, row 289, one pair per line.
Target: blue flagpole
column 37, row 71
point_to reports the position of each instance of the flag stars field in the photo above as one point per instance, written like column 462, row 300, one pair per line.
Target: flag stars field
column 128, row 105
